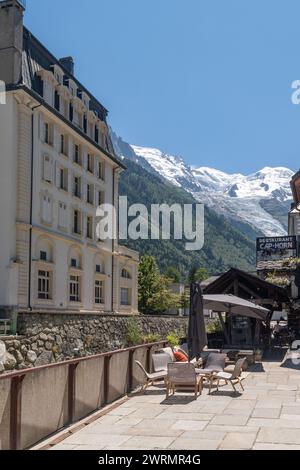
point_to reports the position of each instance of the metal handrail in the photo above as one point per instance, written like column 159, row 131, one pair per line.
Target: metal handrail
column 24, row 372
column 16, row 380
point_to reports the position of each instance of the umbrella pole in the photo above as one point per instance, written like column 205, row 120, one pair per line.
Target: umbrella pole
column 224, row 327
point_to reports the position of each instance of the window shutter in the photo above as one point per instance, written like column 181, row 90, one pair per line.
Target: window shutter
column 47, row 169
column 57, row 172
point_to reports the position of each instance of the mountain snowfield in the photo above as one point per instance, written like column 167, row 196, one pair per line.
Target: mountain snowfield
column 240, row 198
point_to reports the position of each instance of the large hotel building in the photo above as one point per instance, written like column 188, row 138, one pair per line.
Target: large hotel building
column 57, row 165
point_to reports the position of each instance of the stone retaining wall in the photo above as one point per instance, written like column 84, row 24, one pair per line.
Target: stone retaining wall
column 48, row 338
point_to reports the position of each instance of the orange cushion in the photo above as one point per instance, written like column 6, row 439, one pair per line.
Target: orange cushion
column 180, row 357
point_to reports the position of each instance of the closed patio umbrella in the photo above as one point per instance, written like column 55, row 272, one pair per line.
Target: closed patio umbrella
column 235, row 306
column 197, row 338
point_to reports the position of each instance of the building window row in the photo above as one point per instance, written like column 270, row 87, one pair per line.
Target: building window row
column 93, row 164
column 74, row 105
column 63, row 218
column 89, row 191
column 45, row 291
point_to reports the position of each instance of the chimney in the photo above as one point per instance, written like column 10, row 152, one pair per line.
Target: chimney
column 68, row 63
column 11, row 40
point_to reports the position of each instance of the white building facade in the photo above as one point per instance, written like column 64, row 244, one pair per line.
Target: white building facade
column 57, row 166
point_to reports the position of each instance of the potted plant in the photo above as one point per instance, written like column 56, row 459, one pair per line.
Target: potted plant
column 258, row 354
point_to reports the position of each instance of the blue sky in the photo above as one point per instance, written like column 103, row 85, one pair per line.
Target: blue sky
column 207, row 80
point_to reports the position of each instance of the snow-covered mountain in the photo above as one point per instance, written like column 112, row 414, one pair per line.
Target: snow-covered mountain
column 259, row 201
column 238, row 197
column 268, row 182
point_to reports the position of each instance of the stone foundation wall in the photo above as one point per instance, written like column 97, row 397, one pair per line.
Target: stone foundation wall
column 48, row 338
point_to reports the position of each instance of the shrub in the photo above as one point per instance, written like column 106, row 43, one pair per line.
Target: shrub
column 173, row 340
column 150, row 338
column 214, row 327
column 133, row 333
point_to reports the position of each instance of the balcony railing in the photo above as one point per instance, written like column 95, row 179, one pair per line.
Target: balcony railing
column 78, row 387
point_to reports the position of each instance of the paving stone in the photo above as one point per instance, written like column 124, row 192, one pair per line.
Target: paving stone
column 261, row 446
column 121, row 411
column 291, row 410
column 287, row 387
column 155, row 424
column 266, row 413
column 140, row 442
column 186, row 416
column 147, row 412
column 113, row 429
column 99, row 440
column 205, row 435
column 189, row 425
column 235, row 441
column 242, row 404
column 274, row 423
column 170, row 432
column 227, row 428
column 229, row 420
column 194, row 444
column 270, row 402
column 278, row 435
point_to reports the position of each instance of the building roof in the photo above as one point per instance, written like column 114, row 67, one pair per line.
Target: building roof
column 209, row 281
column 36, row 56
column 247, row 286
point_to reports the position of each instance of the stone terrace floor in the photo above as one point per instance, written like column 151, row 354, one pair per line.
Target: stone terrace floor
column 265, row 416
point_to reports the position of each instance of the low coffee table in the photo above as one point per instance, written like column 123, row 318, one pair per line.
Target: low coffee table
column 208, row 375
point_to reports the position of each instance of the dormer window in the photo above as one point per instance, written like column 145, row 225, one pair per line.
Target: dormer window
column 96, row 134
column 56, row 101
column 125, row 274
column 58, row 78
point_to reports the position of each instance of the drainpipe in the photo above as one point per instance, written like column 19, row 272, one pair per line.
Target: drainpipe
column 31, row 206
column 113, row 243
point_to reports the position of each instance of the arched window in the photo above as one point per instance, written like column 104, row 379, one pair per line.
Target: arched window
column 99, row 264
column 44, row 250
column 75, row 258
column 125, row 274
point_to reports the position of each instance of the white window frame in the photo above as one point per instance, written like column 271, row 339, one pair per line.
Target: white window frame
column 99, row 292
column 79, row 194
column 79, row 232
column 46, row 212
column 62, row 215
column 44, row 284
column 127, row 302
column 101, row 170
column 47, row 169
column 74, row 288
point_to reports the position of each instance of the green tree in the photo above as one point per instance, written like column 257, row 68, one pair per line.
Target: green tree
column 173, row 274
column 197, row 274
column 192, row 274
column 201, row 274
column 155, row 295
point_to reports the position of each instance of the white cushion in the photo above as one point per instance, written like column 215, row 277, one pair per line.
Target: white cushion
column 224, row 375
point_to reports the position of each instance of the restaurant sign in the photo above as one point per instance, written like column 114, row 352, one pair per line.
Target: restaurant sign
column 276, row 248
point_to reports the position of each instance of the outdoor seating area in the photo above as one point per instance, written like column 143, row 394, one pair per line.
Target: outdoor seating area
column 265, row 416
column 187, row 375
